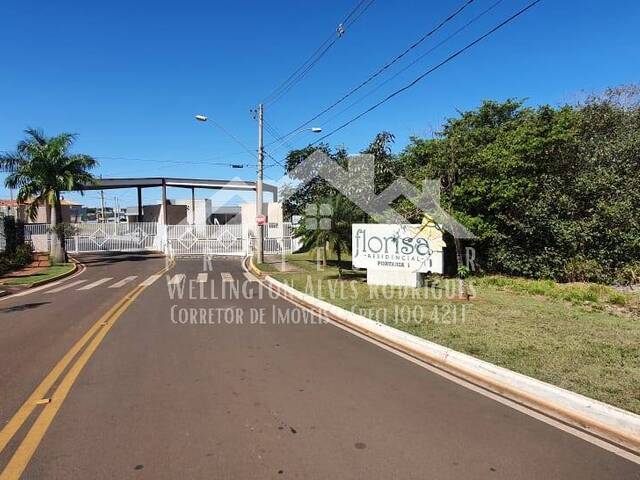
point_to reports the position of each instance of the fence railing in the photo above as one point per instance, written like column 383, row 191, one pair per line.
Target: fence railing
column 178, row 239
column 38, row 235
column 207, row 239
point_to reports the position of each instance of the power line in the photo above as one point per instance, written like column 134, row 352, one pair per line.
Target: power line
column 431, row 70
column 384, row 67
column 404, row 69
column 303, row 69
column 234, row 138
column 172, row 162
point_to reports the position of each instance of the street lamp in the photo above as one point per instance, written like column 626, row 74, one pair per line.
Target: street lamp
column 204, row 118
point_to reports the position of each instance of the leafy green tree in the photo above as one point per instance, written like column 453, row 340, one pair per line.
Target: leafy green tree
column 40, row 169
column 550, row 191
column 331, row 231
column 296, row 199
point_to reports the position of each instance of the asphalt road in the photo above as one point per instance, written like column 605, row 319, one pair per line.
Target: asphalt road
column 238, row 395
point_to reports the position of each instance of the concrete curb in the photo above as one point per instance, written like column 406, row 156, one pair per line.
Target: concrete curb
column 57, row 277
column 598, row 418
column 255, row 270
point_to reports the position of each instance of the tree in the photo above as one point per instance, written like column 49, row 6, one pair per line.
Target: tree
column 328, row 226
column 40, row 169
column 297, row 198
column 550, row 192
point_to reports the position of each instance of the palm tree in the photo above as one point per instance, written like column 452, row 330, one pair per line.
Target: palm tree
column 41, row 168
column 329, row 229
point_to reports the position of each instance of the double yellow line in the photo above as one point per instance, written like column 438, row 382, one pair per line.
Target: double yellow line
column 91, row 339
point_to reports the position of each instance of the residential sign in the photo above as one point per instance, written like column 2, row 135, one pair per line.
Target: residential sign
column 411, row 248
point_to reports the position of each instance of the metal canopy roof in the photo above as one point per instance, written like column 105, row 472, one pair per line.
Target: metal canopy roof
column 145, row 182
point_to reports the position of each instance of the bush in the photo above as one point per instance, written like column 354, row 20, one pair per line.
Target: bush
column 10, row 234
column 617, row 299
column 579, row 269
column 629, row 274
column 13, row 261
column 19, row 232
column 23, row 255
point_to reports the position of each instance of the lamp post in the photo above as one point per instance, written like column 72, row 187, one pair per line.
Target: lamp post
column 259, row 179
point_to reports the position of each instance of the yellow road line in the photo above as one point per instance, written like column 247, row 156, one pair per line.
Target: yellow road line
column 27, row 448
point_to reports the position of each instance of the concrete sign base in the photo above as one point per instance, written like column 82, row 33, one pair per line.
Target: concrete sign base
column 396, row 278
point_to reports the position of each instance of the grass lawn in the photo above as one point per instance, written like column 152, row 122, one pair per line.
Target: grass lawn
column 49, row 272
column 582, row 337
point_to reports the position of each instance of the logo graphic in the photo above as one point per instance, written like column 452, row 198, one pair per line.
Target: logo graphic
column 318, row 217
column 357, row 184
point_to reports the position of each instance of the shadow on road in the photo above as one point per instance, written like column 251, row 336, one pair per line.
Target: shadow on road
column 24, row 306
column 108, row 258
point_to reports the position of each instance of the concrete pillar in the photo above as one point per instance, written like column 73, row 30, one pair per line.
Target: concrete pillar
column 140, row 214
column 165, row 215
column 193, row 206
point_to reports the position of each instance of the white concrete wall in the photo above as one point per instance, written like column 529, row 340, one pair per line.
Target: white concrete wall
column 273, row 211
column 202, row 211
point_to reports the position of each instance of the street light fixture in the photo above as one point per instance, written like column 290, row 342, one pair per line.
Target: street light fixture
column 259, row 233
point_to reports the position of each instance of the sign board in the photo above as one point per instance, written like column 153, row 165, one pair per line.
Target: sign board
column 261, row 219
column 409, row 248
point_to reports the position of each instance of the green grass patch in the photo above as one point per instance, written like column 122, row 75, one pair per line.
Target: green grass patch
column 46, row 274
column 581, row 337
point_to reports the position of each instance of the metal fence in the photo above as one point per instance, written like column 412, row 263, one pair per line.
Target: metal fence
column 176, row 239
column 38, row 235
column 207, row 239
column 96, row 237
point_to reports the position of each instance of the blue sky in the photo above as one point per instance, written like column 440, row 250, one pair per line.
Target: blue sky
column 128, row 77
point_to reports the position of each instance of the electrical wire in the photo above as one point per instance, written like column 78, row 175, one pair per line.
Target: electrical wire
column 404, row 69
column 303, row 69
column 387, row 65
column 428, row 72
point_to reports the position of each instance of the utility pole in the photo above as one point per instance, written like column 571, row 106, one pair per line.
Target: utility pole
column 259, row 227
column 102, row 203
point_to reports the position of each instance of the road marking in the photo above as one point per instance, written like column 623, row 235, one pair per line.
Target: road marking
column 65, row 286
column 226, row 277
column 96, row 283
column 151, row 280
column 124, row 281
column 202, row 277
column 93, row 337
column 250, row 277
column 176, row 279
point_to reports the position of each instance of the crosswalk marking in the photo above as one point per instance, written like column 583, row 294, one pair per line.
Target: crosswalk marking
column 202, row 277
column 250, row 277
column 124, row 281
column 151, row 279
column 89, row 286
column 176, row 279
column 226, row 277
column 68, row 285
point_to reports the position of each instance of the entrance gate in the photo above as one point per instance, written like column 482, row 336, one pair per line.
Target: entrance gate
column 235, row 240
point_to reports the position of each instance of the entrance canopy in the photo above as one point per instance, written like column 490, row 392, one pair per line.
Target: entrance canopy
column 164, row 182
column 144, row 182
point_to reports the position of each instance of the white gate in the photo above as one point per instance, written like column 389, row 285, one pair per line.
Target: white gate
column 120, row 237
column 207, row 239
column 175, row 239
